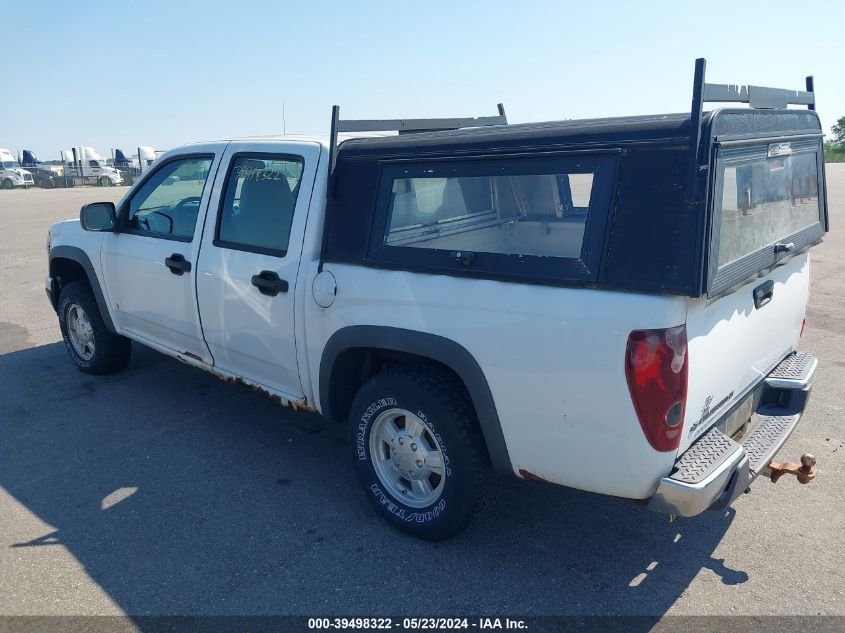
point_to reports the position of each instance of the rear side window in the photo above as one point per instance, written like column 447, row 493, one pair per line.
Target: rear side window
column 256, row 213
column 542, row 217
column 765, row 200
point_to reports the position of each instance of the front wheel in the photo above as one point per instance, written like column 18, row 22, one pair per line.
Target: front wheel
column 418, row 451
column 105, row 181
column 93, row 348
column 7, row 183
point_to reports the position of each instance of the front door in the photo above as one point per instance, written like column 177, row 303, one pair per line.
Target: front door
column 247, row 273
column 149, row 267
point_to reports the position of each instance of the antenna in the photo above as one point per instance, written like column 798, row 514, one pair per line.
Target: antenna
column 284, row 122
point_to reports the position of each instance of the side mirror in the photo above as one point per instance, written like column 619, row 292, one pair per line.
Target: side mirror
column 98, row 216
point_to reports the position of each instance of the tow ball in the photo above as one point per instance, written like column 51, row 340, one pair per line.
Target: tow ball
column 804, row 472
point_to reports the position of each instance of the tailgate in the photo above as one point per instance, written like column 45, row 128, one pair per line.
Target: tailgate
column 733, row 343
column 768, row 210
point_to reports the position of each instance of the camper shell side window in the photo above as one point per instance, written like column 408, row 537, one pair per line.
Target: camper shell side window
column 512, row 217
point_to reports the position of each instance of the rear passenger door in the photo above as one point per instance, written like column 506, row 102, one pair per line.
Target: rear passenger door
column 248, row 268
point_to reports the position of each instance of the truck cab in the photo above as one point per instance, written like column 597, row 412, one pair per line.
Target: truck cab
column 84, row 166
column 614, row 305
column 146, row 157
column 11, row 173
column 43, row 176
column 129, row 169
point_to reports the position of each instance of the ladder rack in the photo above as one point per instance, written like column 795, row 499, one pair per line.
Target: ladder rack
column 757, row 97
column 402, row 126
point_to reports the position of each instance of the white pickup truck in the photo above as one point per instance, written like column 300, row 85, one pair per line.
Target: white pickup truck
column 612, row 305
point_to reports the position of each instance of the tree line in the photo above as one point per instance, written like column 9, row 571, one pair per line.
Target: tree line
column 834, row 149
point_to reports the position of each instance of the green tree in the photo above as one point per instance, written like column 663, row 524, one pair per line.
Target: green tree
column 834, row 149
column 839, row 132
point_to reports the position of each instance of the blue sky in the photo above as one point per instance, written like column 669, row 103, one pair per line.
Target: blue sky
column 163, row 73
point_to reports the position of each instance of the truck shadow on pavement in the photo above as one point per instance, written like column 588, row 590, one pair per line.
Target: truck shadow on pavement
column 180, row 494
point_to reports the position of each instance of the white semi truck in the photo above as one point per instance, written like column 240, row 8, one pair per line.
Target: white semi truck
column 84, row 166
column 11, row 173
column 132, row 168
column 146, row 157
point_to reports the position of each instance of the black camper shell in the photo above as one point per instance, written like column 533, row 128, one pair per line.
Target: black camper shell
column 653, row 215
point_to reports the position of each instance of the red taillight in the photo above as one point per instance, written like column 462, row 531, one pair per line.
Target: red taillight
column 656, row 369
column 803, row 325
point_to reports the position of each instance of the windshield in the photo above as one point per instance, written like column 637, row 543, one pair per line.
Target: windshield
column 10, row 164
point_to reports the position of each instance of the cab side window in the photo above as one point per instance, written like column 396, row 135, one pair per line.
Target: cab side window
column 256, row 212
column 167, row 204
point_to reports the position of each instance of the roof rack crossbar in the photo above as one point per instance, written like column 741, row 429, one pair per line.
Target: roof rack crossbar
column 416, row 125
column 421, row 125
column 403, row 126
column 758, row 97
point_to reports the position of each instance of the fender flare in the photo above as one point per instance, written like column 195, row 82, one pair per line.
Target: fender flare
column 437, row 348
column 79, row 256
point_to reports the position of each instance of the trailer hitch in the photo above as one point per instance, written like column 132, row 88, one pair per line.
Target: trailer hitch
column 805, row 472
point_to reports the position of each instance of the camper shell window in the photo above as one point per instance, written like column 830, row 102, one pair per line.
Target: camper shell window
column 768, row 202
column 416, row 201
column 520, row 216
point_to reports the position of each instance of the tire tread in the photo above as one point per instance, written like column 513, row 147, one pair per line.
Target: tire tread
column 463, row 422
column 113, row 351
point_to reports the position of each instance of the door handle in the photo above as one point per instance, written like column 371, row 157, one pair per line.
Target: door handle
column 268, row 283
column 764, row 293
column 177, row 264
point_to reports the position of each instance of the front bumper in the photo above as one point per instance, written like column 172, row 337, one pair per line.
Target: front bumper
column 716, row 469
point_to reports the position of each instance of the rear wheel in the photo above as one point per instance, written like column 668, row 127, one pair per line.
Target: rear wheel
column 93, row 348
column 418, row 451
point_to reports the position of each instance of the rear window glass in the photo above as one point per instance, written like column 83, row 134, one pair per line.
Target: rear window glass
column 519, row 214
column 766, row 200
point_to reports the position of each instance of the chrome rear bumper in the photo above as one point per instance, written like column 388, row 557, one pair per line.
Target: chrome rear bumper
column 715, row 469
